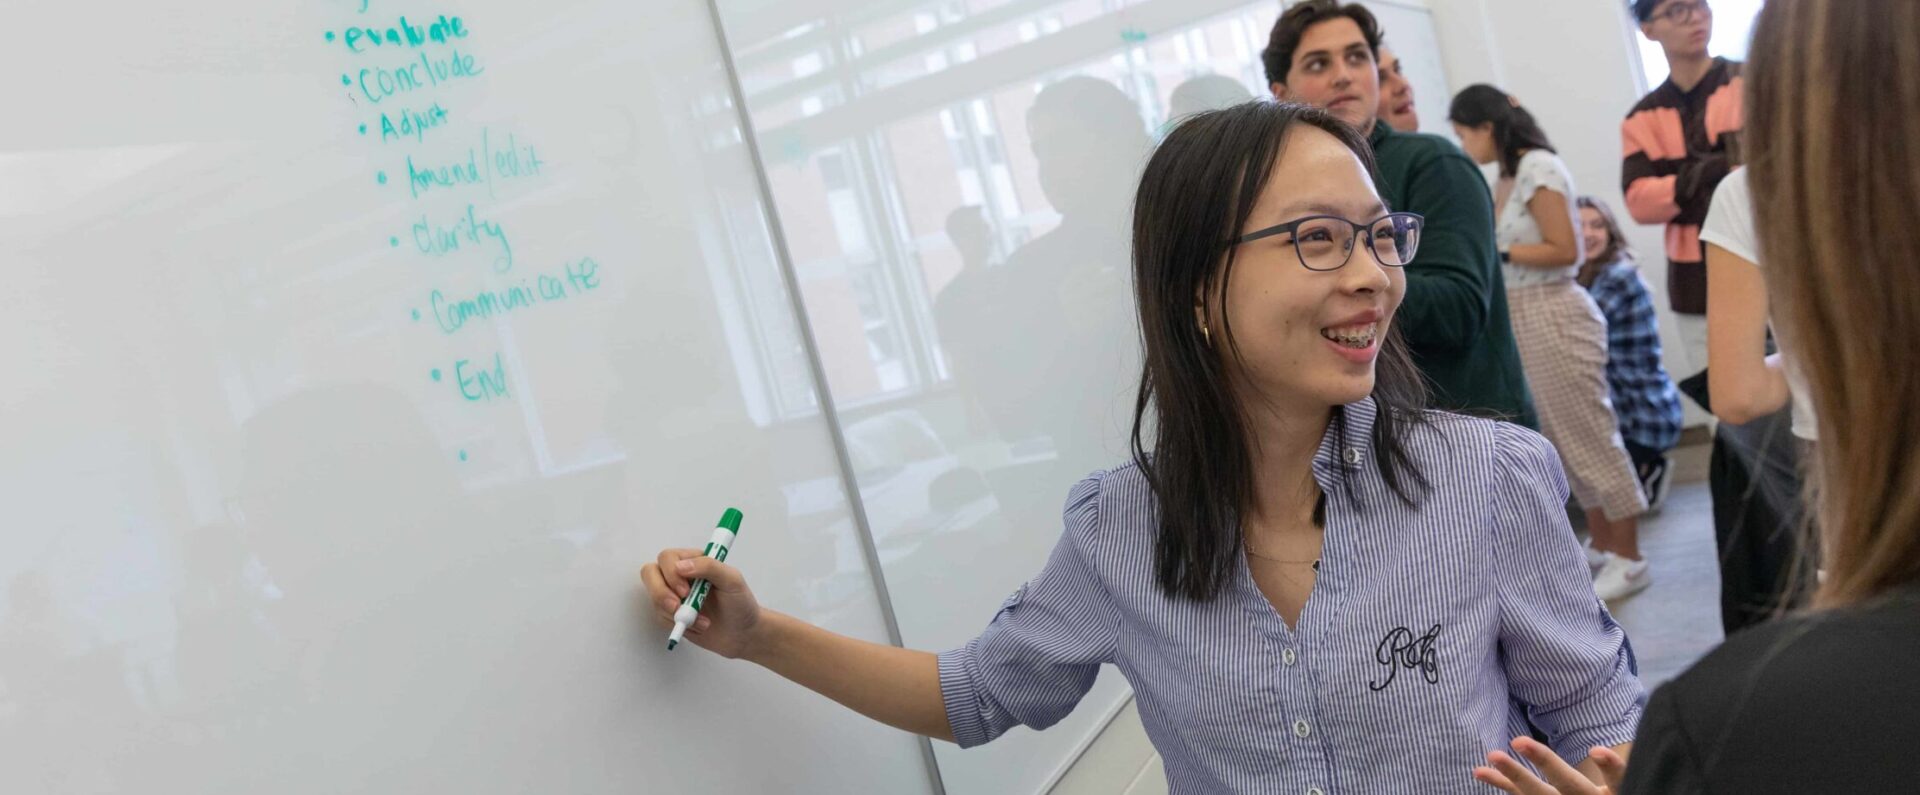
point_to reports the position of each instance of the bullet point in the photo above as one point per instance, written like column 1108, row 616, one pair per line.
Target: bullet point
column 329, row 35
column 416, row 314
column 435, row 374
column 363, row 129
column 463, row 455
column 394, row 242
column 345, row 80
column 381, row 177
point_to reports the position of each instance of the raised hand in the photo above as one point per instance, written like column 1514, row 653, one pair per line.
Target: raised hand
column 1507, row 774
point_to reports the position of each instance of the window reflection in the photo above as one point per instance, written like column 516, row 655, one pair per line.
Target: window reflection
column 878, row 126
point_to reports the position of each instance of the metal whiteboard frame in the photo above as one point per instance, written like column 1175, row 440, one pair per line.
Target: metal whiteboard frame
column 849, row 484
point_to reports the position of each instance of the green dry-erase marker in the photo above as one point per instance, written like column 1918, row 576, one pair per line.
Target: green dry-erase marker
column 723, row 535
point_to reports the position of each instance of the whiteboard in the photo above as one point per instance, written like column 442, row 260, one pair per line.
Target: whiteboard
column 280, row 519
column 319, row 483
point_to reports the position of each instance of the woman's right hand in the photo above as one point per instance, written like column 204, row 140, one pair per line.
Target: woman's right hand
column 729, row 617
column 899, row 687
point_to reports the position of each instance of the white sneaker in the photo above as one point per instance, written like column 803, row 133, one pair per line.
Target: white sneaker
column 1620, row 578
column 1595, row 558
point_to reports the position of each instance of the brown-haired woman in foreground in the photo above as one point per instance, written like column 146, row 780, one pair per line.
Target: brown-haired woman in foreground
column 1825, row 701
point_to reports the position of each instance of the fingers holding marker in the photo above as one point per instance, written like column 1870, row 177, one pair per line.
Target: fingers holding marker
column 658, row 593
column 723, row 576
column 670, row 570
column 700, row 568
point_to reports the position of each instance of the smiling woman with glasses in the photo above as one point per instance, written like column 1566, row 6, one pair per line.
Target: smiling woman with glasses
column 1312, row 583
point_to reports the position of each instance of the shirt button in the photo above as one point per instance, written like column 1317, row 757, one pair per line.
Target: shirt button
column 1315, row 791
column 1353, row 455
column 1287, row 656
column 1301, row 729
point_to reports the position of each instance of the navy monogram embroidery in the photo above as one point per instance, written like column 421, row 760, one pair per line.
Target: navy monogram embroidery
column 1400, row 649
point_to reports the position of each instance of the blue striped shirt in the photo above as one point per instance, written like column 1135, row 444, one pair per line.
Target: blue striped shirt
column 1432, row 635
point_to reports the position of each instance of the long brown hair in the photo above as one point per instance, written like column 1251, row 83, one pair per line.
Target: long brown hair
column 1616, row 248
column 1196, row 192
column 1833, row 97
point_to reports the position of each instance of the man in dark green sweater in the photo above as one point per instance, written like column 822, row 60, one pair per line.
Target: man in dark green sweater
column 1455, row 314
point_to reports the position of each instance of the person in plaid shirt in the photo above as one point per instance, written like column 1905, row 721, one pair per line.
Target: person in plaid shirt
column 1644, row 398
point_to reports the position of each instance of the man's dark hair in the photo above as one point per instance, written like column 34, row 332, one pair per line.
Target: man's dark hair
column 1643, row 9
column 1293, row 23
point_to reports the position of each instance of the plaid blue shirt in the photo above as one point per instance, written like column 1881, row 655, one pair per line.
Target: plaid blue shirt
column 1643, row 396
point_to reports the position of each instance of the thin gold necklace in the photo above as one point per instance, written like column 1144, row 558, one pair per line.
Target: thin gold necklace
column 1319, row 520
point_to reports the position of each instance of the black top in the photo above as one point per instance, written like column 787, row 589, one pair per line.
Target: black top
column 1819, row 703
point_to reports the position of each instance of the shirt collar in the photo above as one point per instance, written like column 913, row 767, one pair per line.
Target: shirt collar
column 1345, row 444
column 1381, row 131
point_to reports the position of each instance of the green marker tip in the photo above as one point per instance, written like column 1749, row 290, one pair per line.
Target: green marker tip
column 671, row 644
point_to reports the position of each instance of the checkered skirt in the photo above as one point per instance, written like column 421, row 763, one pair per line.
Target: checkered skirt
column 1563, row 348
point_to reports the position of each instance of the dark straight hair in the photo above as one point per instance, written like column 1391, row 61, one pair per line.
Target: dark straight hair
column 1196, row 193
column 1514, row 130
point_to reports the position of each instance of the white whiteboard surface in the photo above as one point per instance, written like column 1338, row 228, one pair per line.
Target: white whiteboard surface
column 266, row 529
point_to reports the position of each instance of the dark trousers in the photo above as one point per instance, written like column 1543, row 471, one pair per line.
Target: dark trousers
column 1758, row 520
column 1643, row 456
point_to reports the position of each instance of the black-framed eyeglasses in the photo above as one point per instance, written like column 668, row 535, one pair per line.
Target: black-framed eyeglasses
column 1683, row 11
column 1325, row 242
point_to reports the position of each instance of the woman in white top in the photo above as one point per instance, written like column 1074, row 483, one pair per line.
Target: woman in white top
column 1749, row 390
column 1746, row 382
column 1561, row 334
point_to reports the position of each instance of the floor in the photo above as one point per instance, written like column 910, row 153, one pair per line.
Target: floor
column 1677, row 618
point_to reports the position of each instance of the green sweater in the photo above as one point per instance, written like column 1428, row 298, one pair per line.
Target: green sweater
column 1454, row 317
